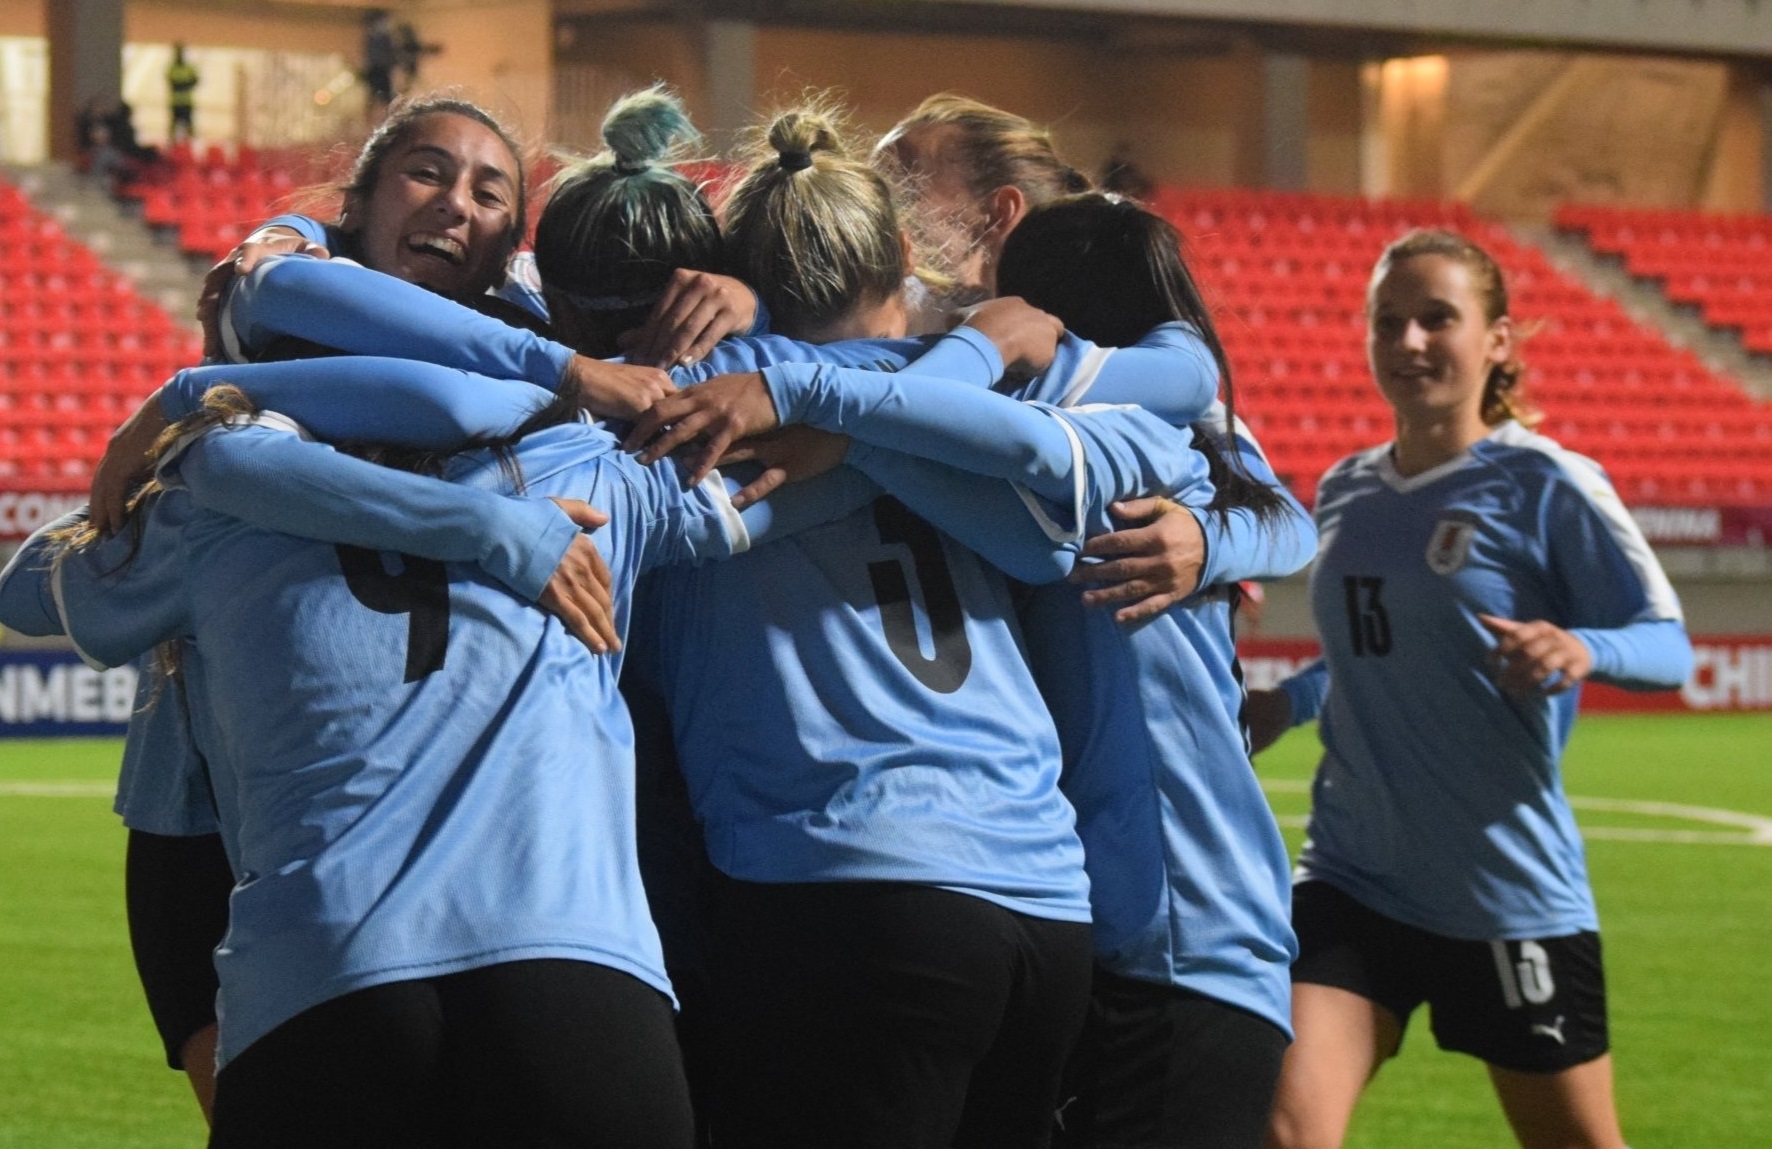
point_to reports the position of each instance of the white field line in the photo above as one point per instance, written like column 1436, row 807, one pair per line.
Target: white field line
column 57, row 789
column 1748, row 829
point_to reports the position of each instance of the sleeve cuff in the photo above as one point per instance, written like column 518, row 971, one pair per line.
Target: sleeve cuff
column 559, row 357
column 309, row 229
column 1305, row 691
column 1212, row 528
column 525, row 557
column 174, row 403
column 964, row 354
column 759, row 325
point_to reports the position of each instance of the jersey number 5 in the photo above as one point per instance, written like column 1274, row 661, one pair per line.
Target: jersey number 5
column 947, row 621
column 420, row 592
column 1369, row 625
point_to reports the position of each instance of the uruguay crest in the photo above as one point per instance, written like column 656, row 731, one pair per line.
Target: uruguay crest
column 1450, row 545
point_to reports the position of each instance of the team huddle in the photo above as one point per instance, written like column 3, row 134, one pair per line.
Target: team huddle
column 765, row 676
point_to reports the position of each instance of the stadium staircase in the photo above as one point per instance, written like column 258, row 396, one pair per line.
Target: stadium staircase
column 1714, row 264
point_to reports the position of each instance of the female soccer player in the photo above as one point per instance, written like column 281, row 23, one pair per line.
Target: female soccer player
column 627, row 245
column 1189, row 879
column 1472, row 575
column 1246, row 956
column 1189, row 883
column 439, row 935
column 438, row 197
column 974, row 171
column 1102, row 368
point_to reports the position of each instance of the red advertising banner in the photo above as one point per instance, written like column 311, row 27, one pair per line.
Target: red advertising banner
column 1728, row 673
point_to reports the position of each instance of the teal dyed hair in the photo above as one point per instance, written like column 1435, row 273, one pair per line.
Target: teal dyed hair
column 617, row 225
column 644, row 127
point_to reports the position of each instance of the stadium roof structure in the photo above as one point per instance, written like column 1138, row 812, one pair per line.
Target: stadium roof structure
column 1713, row 27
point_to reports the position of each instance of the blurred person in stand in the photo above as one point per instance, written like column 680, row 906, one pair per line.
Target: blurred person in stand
column 408, row 51
column 379, row 57
column 181, row 88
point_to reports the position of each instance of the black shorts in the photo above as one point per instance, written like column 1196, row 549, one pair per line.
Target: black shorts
column 176, row 894
column 1534, row 1006
column 522, row 1054
column 1163, row 1066
column 883, row 1015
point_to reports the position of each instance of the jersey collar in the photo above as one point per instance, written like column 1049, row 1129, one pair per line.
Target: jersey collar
column 1404, row 484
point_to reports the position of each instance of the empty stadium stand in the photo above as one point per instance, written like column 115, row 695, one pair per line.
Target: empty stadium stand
column 1287, row 275
column 78, row 350
column 211, row 197
column 1716, row 263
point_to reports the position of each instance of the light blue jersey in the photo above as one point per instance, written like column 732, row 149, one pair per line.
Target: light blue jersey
column 1176, row 356
column 417, row 774
column 163, row 786
column 522, row 284
column 1187, row 869
column 1188, row 873
column 1439, row 800
column 360, row 312
column 854, row 704
column 341, row 305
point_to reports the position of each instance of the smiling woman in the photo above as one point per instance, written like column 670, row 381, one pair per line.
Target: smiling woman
column 1442, row 347
column 1472, row 575
column 437, row 198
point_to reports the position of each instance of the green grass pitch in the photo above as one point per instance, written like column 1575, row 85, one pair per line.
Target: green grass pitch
column 1685, row 924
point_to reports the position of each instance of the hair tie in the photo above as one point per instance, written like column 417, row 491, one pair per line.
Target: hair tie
column 796, row 161
column 627, row 167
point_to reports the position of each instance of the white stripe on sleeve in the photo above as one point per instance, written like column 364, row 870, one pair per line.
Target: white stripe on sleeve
column 274, row 420
column 1585, row 476
column 738, row 536
column 1079, row 477
column 61, row 610
column 1088, row 369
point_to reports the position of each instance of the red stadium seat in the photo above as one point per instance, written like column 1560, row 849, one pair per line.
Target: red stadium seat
column 1286, row 275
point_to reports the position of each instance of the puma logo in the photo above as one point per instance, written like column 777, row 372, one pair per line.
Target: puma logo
column 1553, row 1030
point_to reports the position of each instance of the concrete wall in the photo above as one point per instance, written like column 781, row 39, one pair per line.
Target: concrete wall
column 1725, row 27
column 1515, row 133
column 500, row 54
column 284, row 28
column 1512, row 131
column 1183, row 117
column 23, row 18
